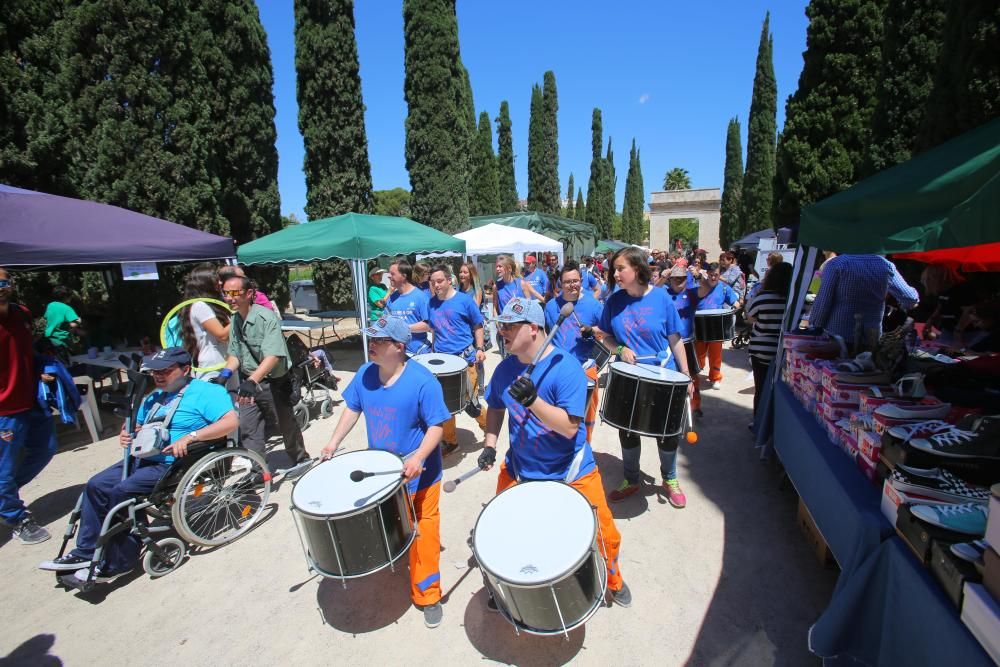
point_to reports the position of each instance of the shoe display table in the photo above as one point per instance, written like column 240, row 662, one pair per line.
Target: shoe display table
column 886, row 607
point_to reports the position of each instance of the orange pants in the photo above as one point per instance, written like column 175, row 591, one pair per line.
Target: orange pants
column 590, row 417
column 425, row 552
column 611, row 540
column 450, row 435
column 714, row 353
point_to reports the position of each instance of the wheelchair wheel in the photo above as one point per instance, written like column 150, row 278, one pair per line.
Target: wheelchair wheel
column 326, row 408
column 301, row 413
column 157, row 566
column 221, row 496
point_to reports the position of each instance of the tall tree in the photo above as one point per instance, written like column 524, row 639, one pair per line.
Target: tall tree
column 536, row 178
column 394, row 202
column 732, row 185
column 568, row 212
column 484, row 198
column 677, row 179
column 640, row 200
column 827, row 120
column 550, row 145
column 437, row 122
column 606, row 196
column 580, row 210
column 338, row 173
column 633, row 204
column 909, row 60
column 966, row 92
column 596, row 167
column 758, row 183
column 509, row 200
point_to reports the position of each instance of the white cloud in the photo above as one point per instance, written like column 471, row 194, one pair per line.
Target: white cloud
column 643, row 98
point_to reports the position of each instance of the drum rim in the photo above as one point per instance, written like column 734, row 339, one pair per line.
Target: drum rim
column 465, row 364
column 356, row 511
column 714, row 312
column 629, row 430
column 548, row 582
column 612, row 369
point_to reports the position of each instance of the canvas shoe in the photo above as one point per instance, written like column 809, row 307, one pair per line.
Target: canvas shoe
column 101, row 576
column 622, row 597
column 937, row 484
column 903, row 432
column 624, row 490
column 915, row 411
column 28, row 531
column 968, row 518
column 674, row 493
column 971, row 552
column 960, row 444
column 433, row 615
column 67, row 563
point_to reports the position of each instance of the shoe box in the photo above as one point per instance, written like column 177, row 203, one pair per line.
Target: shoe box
column 870, row 444
column 919, row 536
column 981, row 615
column 867, row 467
column 952, row 572
column 893, row 499
column 991, row 572
column 814, row 537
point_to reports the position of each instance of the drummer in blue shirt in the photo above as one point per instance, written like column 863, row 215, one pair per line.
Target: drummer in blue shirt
column 535, row 284
column 547, row 438
column 713, row 294
column 576, row 334
column 404, row 412
column 458, row 329
column 641, row 325
column 410, row 303
column 685, row 300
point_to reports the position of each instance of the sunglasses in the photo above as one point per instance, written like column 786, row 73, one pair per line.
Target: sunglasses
column 5, row 283
column 232, row 292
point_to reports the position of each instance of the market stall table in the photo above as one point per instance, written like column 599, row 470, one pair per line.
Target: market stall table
column 306, row 327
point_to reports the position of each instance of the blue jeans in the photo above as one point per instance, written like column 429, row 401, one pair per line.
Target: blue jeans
column 666, row 447
column 27, row 444
column 105, row 490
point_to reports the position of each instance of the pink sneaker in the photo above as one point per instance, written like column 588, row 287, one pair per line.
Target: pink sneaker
column 674, row 493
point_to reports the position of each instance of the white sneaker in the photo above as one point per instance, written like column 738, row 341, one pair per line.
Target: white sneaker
column 917, row 411
column 241, row 463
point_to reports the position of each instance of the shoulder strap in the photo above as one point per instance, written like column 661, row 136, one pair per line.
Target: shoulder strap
column 176, row 404
column 243, row 339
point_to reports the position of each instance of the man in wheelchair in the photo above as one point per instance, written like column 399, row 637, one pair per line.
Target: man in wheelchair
column 194, row 411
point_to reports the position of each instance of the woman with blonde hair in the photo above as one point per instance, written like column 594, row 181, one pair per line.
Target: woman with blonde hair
column 508, row 285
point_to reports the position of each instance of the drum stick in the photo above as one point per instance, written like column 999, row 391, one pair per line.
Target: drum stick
column 691, row 436
column 564, row 312
column 452, row 484
column 358, row 475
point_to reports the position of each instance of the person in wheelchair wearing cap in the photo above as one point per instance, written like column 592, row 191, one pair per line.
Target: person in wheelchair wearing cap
column 201, row 412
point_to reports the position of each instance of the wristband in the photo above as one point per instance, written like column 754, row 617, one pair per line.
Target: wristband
column 619, row 349
column 226, row 373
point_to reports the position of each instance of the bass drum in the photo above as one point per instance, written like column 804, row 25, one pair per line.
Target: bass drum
column 451, row 371
column 645, row 400
column 714, row 325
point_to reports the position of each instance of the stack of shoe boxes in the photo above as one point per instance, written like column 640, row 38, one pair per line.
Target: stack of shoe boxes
column 981, row 603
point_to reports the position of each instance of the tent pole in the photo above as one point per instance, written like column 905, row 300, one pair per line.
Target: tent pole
column 357, row 268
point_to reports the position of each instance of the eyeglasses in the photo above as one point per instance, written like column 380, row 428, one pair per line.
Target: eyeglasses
column 507, row 326
column 571, row 282
column 233, row 292
column 379, row 341
column 5, row 283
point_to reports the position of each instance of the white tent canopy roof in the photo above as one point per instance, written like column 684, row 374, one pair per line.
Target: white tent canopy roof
column 496, row 239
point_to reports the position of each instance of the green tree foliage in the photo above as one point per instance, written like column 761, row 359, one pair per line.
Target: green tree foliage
column 758, row 183
column 677, row 179
column 550, row 145
column 827, row 120
column 633, row 206
column 395, row 202
column 570, row 189
column 509, row 200
column 686, row 229
column 732, row 185
column 594, row 209
column 580, row 210
column 484, row 198
column 609, row 184
column 438, row 121
column 966, row 92
column 536, row 179
column 910, row 53
column 332, row 122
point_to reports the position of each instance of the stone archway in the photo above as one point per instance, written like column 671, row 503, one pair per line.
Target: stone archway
column 702, row 204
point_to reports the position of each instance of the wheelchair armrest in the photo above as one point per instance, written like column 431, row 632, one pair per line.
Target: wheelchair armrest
column 203, row 447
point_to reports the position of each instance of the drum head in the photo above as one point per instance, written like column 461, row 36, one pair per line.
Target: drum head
column 709, row 312
column 534, row 532
column 327, row 489
column 441, row 364
column 648, row 372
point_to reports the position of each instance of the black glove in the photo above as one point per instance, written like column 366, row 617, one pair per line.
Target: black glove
column 523, row 391
column 487, row 458
column 587, row 332
column 248, row 389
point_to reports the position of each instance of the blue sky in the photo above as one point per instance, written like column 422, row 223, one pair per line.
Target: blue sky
column 669, row 74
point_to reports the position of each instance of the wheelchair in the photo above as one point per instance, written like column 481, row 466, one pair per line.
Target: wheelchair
column 210, row 497
column 311, row 386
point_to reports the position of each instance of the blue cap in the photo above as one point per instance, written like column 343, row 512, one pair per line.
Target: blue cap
column 165, row 359
column 523, row 310
column 389, row 327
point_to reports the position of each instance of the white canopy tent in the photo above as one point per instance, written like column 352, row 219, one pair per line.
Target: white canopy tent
column 496, row 239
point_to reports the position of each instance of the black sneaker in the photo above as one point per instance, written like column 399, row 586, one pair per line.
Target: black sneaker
column 937, row 483
column 491, row 605
column 29, row 532
column 958, row 443
column 67, row 563
column 622, row 597
column 101, row 576
column 449, row 448
column 433, row 615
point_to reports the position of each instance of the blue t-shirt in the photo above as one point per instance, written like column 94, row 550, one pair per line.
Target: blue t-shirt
column 454, row 321
column 692, row 282
column 539, row 281
column 685, row 305
column 203, row 403
column 722, row 295
column 588, row 281
column 413, row 308
column 536, row 451
column 643, row 324
column 507, row 291
column 586, row 312
column 397, row 417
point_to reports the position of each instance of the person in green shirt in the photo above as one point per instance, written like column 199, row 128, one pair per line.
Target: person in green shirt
column 62, row 324
column 377, row 293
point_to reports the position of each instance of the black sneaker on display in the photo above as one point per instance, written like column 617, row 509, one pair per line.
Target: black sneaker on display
column 938, row 484
column 982, row 444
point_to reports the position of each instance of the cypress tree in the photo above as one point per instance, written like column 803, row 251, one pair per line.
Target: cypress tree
column 569, row 197
column 437, row 122
column 732, row 185
column 909, row 61
column 609, row 183
column 827, row 120
column 758, row 183
column 640, row 200
column 580, row 210
column 468, row 107
column 966, row 92
column 484, row 197
column 594, row 184
column 536, row 183
column 631, row 216
column 550, row 145
column 509, row 200
column 338, row 173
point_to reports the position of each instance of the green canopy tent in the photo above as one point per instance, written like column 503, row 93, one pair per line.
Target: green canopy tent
column 608, row 245
column 578, row 238
column 353, row 237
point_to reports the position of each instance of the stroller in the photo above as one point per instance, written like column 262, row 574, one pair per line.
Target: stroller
column 310, row 385
column 741, row 331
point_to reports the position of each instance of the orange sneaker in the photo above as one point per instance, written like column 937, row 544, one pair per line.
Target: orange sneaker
column 624, row 490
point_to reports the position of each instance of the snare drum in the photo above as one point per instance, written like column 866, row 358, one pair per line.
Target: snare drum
column 645, row 400
column 714, row 325
column 692, row 356
column 349, row 529
column 451, row 371
column 536, row 545
column 600, row 354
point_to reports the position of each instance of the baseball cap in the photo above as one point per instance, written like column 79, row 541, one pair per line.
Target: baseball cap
column 530, row 258
column 375, row 271
column 389, row 327
column 678, row 272
column 165, row 359
column 523, row 310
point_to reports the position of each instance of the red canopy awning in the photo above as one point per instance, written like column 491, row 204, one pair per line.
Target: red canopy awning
column 984, row 257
